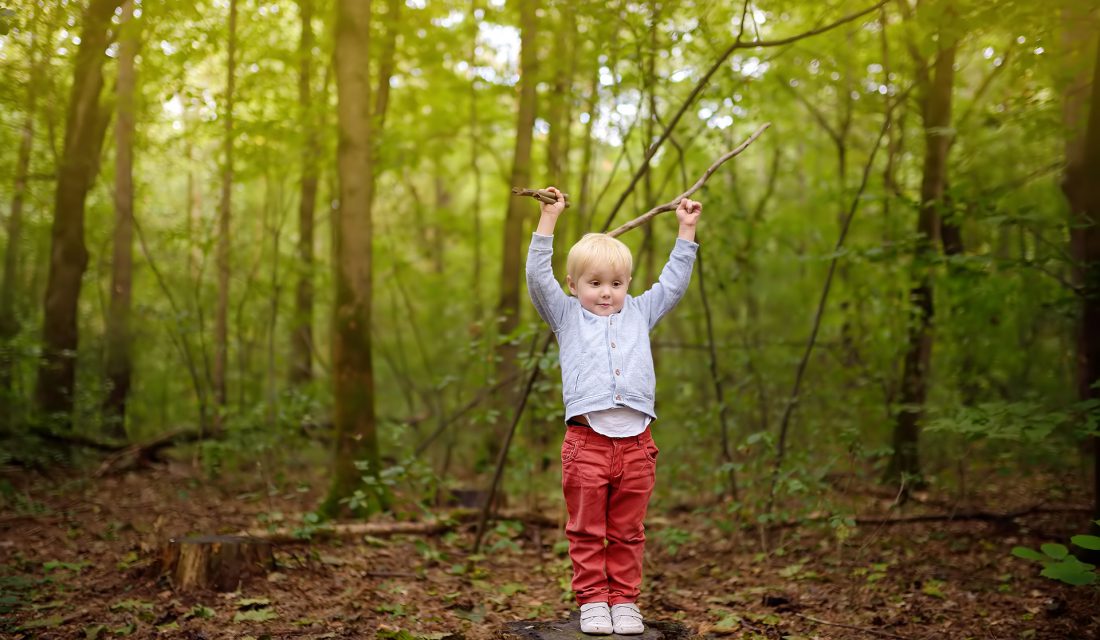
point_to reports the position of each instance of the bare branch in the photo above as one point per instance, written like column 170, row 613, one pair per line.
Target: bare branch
column 737, row 44
column 671, row 204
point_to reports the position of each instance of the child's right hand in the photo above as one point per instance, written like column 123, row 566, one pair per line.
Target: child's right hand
column 556, row 208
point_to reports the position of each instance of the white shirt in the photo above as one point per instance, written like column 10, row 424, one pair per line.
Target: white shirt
column 618, row 422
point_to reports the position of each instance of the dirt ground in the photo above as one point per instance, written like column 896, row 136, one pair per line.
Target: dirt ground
column 75, row 556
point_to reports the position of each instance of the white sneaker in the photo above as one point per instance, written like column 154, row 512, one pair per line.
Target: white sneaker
column 596, row 619
column 627, row 619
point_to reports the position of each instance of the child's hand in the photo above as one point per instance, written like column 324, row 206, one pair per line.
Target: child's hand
column 556, row 208
column 688, row 212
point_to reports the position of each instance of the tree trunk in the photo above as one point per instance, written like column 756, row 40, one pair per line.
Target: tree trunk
column 936, row 113
column 9, row 321
column 357, row 163
column 220, row 563
column 301, row 357
column 558, row 138
column 508, row 307
column 221, row 313
column 68, row 255
column 1081, row 185
column 118, row 366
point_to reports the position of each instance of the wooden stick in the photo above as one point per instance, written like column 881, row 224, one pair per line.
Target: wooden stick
column 672, row 204
column 542, row 195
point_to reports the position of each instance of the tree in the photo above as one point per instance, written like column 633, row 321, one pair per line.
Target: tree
column 361, row 124
column 118, row 366
column 936, row 115
column 225, row 208
column 510, row 266
column 9, row 321
column 301, row 360
column 54, row 392
column 1081, row 185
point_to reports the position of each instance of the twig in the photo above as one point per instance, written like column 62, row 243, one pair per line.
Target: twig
column 819, row 314
column 542, row 195
column 876, row 632
column 671, row 204
column 484, row 519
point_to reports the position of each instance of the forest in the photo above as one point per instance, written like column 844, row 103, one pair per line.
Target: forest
column 269, row 367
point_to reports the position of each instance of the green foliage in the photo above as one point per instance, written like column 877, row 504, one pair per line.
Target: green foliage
column 1059, row 564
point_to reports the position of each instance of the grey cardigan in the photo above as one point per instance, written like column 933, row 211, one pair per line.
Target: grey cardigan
column 605, row 360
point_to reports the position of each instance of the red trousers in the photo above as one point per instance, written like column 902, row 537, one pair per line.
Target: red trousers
column 607, row 483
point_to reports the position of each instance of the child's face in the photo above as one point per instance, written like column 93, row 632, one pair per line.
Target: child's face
column 600, row 289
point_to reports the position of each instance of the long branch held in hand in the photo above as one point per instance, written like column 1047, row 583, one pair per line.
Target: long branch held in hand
column 542, row 195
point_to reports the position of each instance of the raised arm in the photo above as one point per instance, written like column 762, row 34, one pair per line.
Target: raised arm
column 545, row 291
column 676, row 275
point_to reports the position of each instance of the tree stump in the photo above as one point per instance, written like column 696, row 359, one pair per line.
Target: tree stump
column 571, row 630
column 215, row 562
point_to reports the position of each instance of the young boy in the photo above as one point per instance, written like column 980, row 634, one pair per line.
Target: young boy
column 608, row 457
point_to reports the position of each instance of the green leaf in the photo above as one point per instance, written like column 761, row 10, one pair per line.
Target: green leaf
column 1055, row 550
column 1028, row 554
column 92, row 632
column 1087, row 542
column 255, row 615
column 1071, row 572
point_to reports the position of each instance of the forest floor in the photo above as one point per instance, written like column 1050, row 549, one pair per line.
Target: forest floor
column 74, row 556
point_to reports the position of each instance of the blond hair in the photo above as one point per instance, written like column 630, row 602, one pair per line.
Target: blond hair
column 598, row 248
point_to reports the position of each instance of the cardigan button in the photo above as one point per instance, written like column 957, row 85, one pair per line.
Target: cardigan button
column 617, row 372
column 619, row 398
column 612, row 345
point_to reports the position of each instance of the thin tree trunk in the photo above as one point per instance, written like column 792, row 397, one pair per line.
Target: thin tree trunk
column 118, row 367
column 9, row 321
column 301, row 358
column 221, row 313
column 936, row 114
column 68, row 255
column 475, row 167
column 508, row 307
column 556, row 141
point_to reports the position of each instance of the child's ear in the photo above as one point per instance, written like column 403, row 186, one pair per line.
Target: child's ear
column 569, row 283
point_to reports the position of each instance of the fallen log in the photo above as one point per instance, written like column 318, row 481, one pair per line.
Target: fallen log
column 442, row 524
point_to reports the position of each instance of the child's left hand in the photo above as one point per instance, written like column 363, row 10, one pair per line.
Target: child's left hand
column 688, row 212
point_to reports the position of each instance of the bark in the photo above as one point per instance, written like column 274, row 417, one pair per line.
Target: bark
column 118, row 366
column 301, row 356
column 936, row 115
column 9, row 322
column 558, row 139
column 510, row 269
column 475, row 170
column 354, row 420
column 68, row 255
column 221, row 313
column 1081, row 186
column 216, row 562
